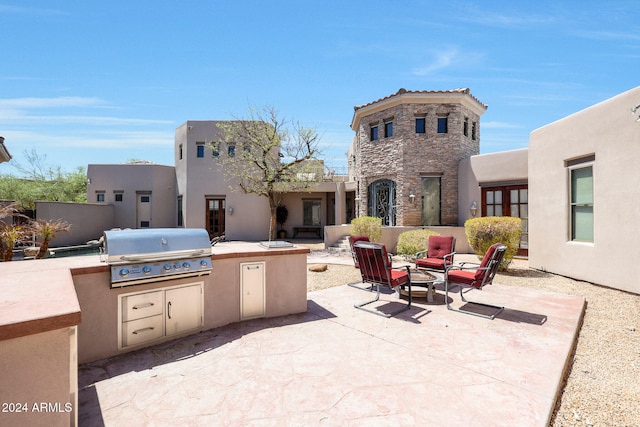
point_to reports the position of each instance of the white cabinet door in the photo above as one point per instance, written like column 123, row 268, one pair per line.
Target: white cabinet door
column 183, row 309
column 252, row 278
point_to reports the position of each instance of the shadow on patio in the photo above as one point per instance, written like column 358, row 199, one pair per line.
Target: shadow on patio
column 338, row 365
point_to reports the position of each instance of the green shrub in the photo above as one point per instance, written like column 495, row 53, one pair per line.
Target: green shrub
column 367, row 226
column 485, row 231
column 414, row 241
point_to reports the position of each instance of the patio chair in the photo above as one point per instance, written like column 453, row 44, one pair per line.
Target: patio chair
column 352, row 241
column 439, row 254
column 375, row 268
column 470, row 275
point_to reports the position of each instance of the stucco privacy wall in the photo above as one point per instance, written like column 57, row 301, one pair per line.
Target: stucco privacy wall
column 609, row 131
column 88, row 221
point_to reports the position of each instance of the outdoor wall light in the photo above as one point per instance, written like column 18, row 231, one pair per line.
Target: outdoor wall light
column 230, row 209
column 412, row 197
column 473, row 209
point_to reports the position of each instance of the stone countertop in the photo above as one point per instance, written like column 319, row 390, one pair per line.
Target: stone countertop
column 251, row 249
column 39, row 295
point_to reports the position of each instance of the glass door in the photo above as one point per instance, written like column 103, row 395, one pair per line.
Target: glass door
column 215, row 217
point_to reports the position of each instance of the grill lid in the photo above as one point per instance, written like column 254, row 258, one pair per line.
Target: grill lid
column 155, row 244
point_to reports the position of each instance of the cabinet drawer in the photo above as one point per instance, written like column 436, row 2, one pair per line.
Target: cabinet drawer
column 142, row 330
column 142, row 305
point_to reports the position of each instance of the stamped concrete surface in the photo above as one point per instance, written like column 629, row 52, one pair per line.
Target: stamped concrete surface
column 339, row 366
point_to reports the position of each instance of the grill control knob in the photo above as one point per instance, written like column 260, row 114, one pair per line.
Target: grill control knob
column 166, row 267
column 204, row 263
column 186, row 265
column 124, row 272
column 146, row 269
column 176, row 266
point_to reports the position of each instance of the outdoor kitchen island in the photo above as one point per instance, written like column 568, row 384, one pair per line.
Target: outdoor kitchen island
column 43, row 301
column 246, row 281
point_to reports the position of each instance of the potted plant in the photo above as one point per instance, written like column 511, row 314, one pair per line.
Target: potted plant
column 281, row 217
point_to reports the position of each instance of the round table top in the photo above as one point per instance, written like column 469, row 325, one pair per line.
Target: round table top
column 420, row 276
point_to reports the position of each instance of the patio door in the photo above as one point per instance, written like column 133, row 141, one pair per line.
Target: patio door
column 143, row 210
column 215, row 218
column 512, row 200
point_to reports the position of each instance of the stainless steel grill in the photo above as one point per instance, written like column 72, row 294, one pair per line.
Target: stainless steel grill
column 155, row 254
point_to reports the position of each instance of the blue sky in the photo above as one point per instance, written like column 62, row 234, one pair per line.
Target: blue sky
column 104, row 82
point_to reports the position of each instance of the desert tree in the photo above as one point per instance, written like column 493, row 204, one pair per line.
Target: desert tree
column 45, row 230
column 268, row 155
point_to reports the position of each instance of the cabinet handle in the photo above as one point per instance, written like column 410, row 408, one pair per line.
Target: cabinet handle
column 145, row 305
column 169, row 309
column 150, row 328
column 257, row 267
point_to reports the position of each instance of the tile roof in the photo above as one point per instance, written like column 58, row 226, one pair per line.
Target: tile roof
column 402, row 91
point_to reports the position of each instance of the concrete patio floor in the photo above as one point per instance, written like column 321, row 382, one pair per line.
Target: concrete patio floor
column 338, row 366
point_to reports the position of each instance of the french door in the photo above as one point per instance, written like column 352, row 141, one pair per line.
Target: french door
column 510, row 200
column 215, row 216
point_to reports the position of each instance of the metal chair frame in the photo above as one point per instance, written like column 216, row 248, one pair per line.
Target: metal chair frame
column 490, row 270
column 375, row 268
column 352, row 241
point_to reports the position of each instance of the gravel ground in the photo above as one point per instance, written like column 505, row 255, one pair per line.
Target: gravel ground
column 603, row 383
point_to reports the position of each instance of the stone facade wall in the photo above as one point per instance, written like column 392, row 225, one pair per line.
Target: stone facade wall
column 407, row 156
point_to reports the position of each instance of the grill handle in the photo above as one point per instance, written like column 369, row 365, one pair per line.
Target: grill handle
column 162, row 256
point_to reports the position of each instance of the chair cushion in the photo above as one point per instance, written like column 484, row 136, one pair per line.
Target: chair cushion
column 433, row 263
column 439, row 246
column 399, row 277
column 466, row 277
column 471, row 277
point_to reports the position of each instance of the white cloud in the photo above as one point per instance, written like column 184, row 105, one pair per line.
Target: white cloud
column 110, row 141
column 441, row 59
column 498, row 125
column 62, row 101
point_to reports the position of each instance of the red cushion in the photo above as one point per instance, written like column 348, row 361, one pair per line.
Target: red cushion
column 433, row 263
column 439, row 246
column 470, row 277
column 399, row 277
column 466, row 277
column 352, row 241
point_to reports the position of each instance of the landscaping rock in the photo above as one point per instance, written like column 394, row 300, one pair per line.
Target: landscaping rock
column 318, row 267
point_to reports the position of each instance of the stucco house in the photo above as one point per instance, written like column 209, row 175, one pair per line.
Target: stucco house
column 415, row 161
column 585, row 196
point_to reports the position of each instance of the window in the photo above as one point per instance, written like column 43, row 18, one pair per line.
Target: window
column 473, row 131
column 180, row 212
column 374, row 133
column 215, row 151
column 100, row 196
column 420, row 125
column 311, row 212
column 582, row 204
column 180, row 152
column 200, row 150
column 232, row 151
column 145, row 199
column 443, row 124
column 388, row 129
column 465, row 127
column 493, row 202
column 509, row 200
column 118, row 196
